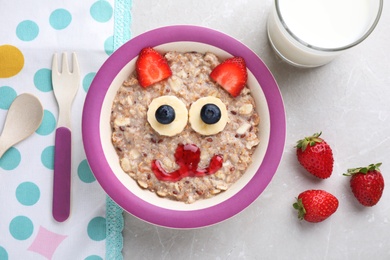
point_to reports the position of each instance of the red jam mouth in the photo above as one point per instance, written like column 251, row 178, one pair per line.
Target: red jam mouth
column 187, row 156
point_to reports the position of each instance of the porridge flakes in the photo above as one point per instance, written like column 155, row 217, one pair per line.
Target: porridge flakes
column 139, row 146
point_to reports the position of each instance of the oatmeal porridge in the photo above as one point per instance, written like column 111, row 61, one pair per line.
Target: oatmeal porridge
column 155, row 160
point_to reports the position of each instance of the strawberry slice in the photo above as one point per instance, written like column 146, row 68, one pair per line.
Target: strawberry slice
column 151, row 67
column 231, row 75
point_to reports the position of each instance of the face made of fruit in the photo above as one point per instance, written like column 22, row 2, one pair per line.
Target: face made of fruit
column 186, row 124
column 168, row 116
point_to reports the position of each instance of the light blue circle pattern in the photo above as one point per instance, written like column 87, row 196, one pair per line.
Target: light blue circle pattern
column 48, row 123
column 47, row 157
column 27, row 30
column 109, row 45
column 88, row 80
column 60, row 19
column 85, row 173
column 92, row 257
column 42, row 80
column 21, row 227
column 101, row 11
column 7, row 96
column 97, row 229
column 27, row 193
column 3, row 254
column 11, row 159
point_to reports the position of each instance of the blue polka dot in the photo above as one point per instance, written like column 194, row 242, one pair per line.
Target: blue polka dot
column 101, row 11
column 47, row 157
column 21, row 227
column 27, row 30
column 48, row 123
column 3, row 254
column 92, row 257
column 27, row 193
column 97, row 229
column 85, row 173
column 7, row 96
column 60, row 19
column 42, row 80
column 11, row 159
column 109, row 45
column 88, row 80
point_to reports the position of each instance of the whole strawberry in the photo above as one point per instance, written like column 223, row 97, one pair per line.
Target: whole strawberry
column 315, row 155
column 315, row 205
column 367, row 184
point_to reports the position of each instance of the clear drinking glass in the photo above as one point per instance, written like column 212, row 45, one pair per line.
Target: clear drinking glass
column 311, row 33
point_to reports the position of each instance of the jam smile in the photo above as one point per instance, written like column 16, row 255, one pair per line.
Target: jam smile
column 187, row 156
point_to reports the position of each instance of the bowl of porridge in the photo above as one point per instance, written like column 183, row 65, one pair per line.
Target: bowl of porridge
column 187, row 151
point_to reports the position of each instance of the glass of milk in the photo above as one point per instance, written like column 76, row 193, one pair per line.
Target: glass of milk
column 311, row 33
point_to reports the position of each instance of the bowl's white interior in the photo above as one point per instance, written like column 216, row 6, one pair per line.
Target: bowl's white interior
column 131, row 185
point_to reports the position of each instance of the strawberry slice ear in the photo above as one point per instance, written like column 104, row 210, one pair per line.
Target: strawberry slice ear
column 151, row 67
column 231, row 75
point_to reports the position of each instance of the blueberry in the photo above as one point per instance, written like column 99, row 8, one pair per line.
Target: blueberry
column 165, row 114
column 210, row 114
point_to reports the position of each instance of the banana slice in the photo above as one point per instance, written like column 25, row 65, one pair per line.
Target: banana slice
column 168, row 127
column 199, row 125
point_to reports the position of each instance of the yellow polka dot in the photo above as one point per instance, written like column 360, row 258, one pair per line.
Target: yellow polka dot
column 11, row 61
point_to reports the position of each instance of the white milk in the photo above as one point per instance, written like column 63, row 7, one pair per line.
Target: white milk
column 319, row 30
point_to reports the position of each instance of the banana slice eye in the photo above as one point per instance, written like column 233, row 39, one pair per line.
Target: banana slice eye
column 208, row 116
column 167, row 115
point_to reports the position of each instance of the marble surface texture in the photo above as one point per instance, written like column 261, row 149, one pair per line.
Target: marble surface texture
column 348, row 100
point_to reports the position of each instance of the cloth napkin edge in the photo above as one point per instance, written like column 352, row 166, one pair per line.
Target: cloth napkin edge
column 114, row 213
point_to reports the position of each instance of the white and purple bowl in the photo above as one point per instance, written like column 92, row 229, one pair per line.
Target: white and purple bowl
column 104, row 162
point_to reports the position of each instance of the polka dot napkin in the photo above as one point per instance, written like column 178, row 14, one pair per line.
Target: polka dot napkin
column 32, row 31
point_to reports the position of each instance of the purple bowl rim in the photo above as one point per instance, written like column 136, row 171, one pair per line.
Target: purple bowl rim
column 168, row 217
